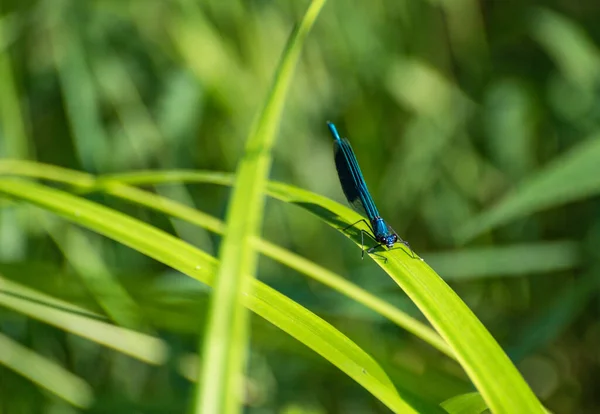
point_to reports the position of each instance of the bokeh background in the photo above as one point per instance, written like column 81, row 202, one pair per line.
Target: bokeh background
column 451, row 106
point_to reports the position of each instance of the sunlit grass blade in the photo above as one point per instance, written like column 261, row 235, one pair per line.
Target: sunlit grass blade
column 484, row 361
column 568, row 178
column 284, row 256
column 81, row 322
column 470, row 403
column 266, row 302
column 226, row 339
column 494, row 375
column 114, row 187
column 46, row 172
column 44, row 372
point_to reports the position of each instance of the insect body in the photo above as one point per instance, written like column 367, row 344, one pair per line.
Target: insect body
column 357, row 194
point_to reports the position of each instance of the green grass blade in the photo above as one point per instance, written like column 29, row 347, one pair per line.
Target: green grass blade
column 574, row 52
column 225, row 343
column 14, row 142
column 356, row 293
column 116, row 188
column 46, row 172
column 488, row 367
column 141, row 139
column 571, row 177
column 95, row 274
column 44, row 372
column 294, row 319
column 517, row 260
column 285, row 257
column 81, row 322
column 79, row 94
column 494, row 375
column 13, row 126
column 492, row 372
column 470, row 403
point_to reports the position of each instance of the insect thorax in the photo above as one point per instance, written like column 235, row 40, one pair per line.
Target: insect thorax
column 379, row 228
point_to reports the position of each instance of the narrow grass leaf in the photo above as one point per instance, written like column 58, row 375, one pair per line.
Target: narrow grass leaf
column 515, row 260
column 114, row 186
column 11, row 288
column 79, row 95
column 95, row 274
column 492, row 372
column 567, row 43
column 225, row 342
column 287, row 258
column 13, row 125
column 571, row 177
column 276, row 308
column 79, row 321
column 46, row 172
column 470, row 403
column 14, row 143
column 44, row 372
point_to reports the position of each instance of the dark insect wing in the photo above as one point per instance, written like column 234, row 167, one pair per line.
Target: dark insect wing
column 352, row 180
column 347, row 180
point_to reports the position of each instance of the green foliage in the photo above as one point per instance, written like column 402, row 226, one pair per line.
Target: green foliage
column 473, row 122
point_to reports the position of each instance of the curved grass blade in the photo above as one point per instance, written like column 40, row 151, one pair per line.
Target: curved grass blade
column 571, row 177
column 44, row 372
column 116, row 188
column 492, row 372
column 470, row 403
column 484, row 361
column 261, row 299
column 81, row 322
column 286, row 257
column 225, row 343
column 572, row 49
column 47, row 172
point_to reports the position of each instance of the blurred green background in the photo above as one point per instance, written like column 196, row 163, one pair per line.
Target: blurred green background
column 476, row 125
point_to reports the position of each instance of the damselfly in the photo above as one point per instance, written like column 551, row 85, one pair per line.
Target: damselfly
column 357, row 194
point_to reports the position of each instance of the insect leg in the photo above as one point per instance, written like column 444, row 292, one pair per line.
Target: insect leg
column 362, row 245
column 362, row 240
column 404, row 242
column 362, row 234
column 372, row 251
